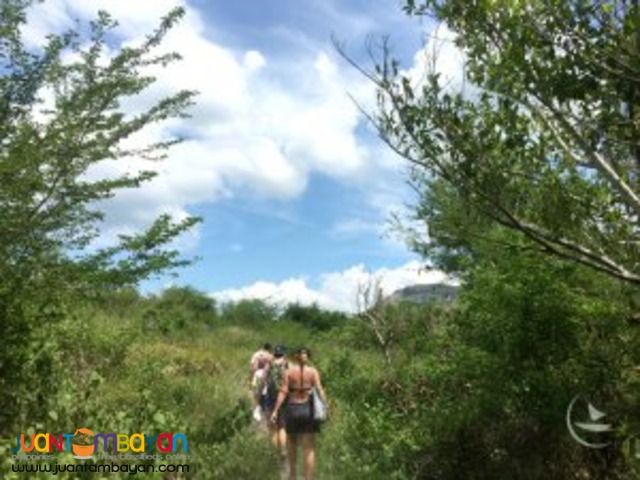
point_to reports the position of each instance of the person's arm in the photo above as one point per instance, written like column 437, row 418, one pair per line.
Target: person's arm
column 282, row 395
column 252, row 368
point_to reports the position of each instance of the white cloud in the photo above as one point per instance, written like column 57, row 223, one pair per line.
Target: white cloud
column 43, row 18
column 257, row 127
column 441, row 55
column 134, row 18
column 254, row 60
column 337, row 290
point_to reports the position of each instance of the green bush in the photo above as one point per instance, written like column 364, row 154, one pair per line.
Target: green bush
column 178, row 308
column 249, row 313
column 313, row 317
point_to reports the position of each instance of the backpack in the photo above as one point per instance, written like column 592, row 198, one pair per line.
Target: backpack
column 274, row 379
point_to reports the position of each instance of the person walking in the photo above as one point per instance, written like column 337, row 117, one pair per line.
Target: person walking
column 276, row 374
column 258, row 371
column 297, row 385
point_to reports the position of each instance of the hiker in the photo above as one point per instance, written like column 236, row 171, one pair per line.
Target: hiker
column 297, row 384
column 258, row 370
column 275, row 377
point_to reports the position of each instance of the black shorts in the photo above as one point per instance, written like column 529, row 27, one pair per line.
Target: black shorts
column 267, row 403
column 299, row 419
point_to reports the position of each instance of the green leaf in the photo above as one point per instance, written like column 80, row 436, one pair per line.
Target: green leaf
column 159, row 418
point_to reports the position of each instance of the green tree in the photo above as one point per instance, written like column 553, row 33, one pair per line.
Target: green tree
column 547, row 143
column 254, row 313
column 178, row 308
column 538, row 153
column 48, row 206
column 312, row 316
column 60, row 114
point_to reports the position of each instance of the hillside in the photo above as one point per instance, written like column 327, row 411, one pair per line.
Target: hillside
column 425, row 293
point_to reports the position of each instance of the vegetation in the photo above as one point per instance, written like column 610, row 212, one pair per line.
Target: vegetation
column 476, row 388
column 540, row 134
column 60, row 115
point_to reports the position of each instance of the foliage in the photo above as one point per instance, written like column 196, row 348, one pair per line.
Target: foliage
column 477, row 389
column 178, row 307
column 536, row 154
column 312, row 316
column 61, row 115
column 542, row 139
column 249, row 313
column 485, row 394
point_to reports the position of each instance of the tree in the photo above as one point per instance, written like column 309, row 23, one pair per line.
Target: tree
column 178, row 308
column 48, row 206
column 60, row 114
column 251, row 312
column 371, row 311
column 312, row 316
column 549, row 143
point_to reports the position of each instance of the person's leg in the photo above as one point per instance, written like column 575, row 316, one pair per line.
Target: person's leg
column 281, row 439
column 281, row 449
column 291, row 454
column 272, row 429
column 308, row 454
column 256, row 409
column 258, row 398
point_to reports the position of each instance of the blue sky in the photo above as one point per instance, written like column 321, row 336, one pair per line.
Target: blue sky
column 294, row 187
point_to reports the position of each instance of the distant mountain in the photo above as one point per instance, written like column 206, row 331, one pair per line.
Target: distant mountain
column 424, row 293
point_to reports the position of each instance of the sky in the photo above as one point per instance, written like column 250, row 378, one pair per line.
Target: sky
column 293, row 185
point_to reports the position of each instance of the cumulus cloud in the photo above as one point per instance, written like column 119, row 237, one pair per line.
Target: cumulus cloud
column 259, row 127
column 336, row 290
column 441, row 55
